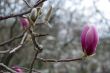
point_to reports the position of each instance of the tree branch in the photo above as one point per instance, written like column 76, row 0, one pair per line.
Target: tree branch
column 20, row 14
column 21, row 43
column 32, row 64
column 38, row 50
column 7, row 68
column 34, row 40
column 12, row 39
column 63, row 60
column 5, row 51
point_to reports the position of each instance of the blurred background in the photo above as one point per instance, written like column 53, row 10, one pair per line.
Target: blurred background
column 68, row 18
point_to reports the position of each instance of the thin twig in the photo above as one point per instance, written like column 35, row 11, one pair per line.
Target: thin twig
column 27, row 4
column 6, row 67
column 39, row 49
column 5, row 51
column 20, row 14
column 19, row 36
column 34, row 40
column 67, row 43
column 64, row 60
column 21, row 43
column 32, row 64
column 12, row 39
column 40, row 35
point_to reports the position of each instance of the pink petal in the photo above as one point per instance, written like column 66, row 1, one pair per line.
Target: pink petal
column 91, row 40
column 24, row 22
column 83, row 35
column 17, row 69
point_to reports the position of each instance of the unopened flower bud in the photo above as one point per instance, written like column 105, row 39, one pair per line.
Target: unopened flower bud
column 24, row 22
column 48, row 15
column 33, row 14
column 89, row 39
column 17, row 69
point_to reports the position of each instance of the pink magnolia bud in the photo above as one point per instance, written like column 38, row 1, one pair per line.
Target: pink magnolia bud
column 89, row 39
column 17, row 69
column 24, row 22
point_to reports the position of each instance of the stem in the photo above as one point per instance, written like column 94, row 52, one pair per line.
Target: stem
column 63, row 60
column 32, row 64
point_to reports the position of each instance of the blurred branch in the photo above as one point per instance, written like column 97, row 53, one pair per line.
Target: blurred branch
column 40, row 35
column 38, row 50
column 64, row 60
column 6, row 67
column 67, row 43
column 9, row 41
column 101, row 14
column 10, row 52
column 21, row 43
column 34, row 41
column 27, row 4
column 32, row 64
column 12, row 39
column 2, row 52
column 32, row 69
column 6, row 58
column 12, row 27
column 19, row 36
column 41, row 23
column 20, row 14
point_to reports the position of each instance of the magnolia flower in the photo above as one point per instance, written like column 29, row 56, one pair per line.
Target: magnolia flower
column 24, row 22
column 17, row 69
column 89, row 39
